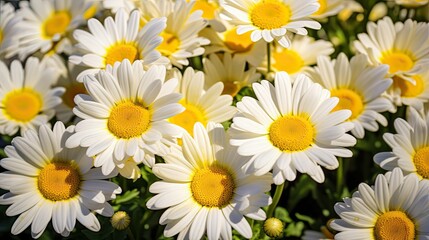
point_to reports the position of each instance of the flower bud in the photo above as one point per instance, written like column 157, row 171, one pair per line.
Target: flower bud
column 273, row 227
column 120, row 220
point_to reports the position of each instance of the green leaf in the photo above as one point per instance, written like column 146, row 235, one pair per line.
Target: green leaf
column 127, row 196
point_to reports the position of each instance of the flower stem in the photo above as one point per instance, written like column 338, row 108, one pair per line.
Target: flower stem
column 130, row 234
column 340, row 176
column 276, row 199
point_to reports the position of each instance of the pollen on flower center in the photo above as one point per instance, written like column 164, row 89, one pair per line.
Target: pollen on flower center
column 189, row 117
column 421, row 162
column 230, row 88
column 350, row 100
column 408, row 89
column 169, row 45
column 397, row 61
column 322, row 8
column 22, row 105
column 394, row 225
column 213, row 186
column 288, row 60
column 238, row 43
column 122, row 51
column 270, row 14
column 292, row 133
column 56, row 23
column 71, row 92
column 128, row 120
column 1, row 36
column 208, row 8
column 58, row 181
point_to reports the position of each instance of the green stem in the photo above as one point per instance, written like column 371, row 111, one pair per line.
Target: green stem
column 276, row 199
column 340, row 176
column 130, row 234
column 268, row 58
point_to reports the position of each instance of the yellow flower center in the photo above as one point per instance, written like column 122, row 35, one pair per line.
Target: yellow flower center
column 58, row 22
column 208, row 8
column 122, row 51
column 91, row 11
column 22, row 105
column 189, row 117
column 394, row 225
column 1, row 36
column 128, row 120
column 322, row 8
column 58, row 181
column 292, row 133
column 71, row 92
column 407, row 88
column 397, row 61
column 230, row 88
column 350, row 100
column 238, row 43
column 213, row 186
column 288, row 60
column 270, row 14
column 421, row 162
column 169, row 45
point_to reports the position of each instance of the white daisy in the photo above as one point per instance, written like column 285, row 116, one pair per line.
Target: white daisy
column 9, row 31
column 230, row 71
column 205, row 190
column 211, row 12
column 47, row 25
column 27, row 98
column 117, row 40
column 125, row 115
column 301, row 54
column 291, row 128
column 115, row 5
column 328, row 8
column 412, row 94
column 350, row 7
column 271, row 19
column 359, row 87
column 200, row 105
column 402, row 46
column 238, row 45
column 411, row 3
column 410, row 146
column 394, row 208
column 48, row 181
column 181, row 40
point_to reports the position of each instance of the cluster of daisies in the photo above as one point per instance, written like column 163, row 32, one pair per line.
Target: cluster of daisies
column 219, row 100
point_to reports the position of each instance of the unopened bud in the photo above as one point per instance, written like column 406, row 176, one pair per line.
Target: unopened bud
column 273, row 227
column 120, row 220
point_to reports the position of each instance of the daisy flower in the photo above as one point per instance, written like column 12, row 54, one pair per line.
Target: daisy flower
column 291, row 128
column 47, row 25
column 359, row 87
column 115, row 5
column 205, row 189
column 350, row 7
column 181, row 40
column 271, row 19
column 211, row 12
column 125, row 115
column 410, row 146
column 47, row 181
column 230, row 71
column 402, row 46
column 118, row 39
column 238, row 45
column 328, row 8
column 394, row 208
column 411, row 3
column 9, row 41
column 27, row 97
column 301, row 54
column 200, row 105
column 411, row 94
